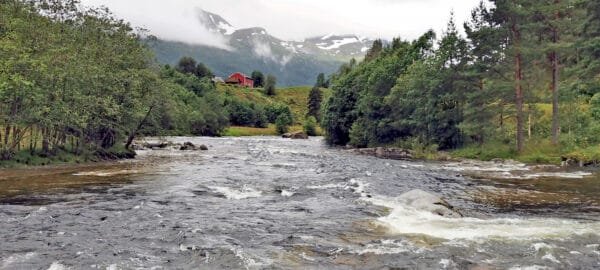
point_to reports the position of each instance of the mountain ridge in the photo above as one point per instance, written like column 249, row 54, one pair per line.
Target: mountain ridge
column 253, row 48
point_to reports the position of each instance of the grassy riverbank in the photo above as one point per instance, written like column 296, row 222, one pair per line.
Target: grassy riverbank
column 536, row 153
column 236, row 131
column 28, row 159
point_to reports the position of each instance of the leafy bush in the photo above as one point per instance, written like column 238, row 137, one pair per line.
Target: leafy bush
column 282, row 123
column 275, row 110
column 310, row 126
column 246, row 114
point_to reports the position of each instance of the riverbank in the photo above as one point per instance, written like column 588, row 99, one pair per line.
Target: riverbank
column 238, row 131
column 538, row 155
column 26, row 159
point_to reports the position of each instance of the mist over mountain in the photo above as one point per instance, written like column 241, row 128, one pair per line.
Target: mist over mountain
column 248, row 49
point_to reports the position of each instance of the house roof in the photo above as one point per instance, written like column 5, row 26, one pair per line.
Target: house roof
column 244, row 75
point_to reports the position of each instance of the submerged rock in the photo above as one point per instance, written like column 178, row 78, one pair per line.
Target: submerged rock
column 188, row 146
column 161, row 145
column 426, row 201
column 386, row 153
column 296, row 135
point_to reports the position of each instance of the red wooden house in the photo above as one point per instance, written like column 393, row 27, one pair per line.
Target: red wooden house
column 240, row 79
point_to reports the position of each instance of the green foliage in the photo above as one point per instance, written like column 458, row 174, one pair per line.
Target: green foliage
column 321, row 81
column 595, row 106
column 202, row 71
column 270, row 85
column 187, row 65
column 258, row 78
column 469, row 91
column 56, row 97
column 310, row 126
column 243, row 113
column 282, row 123
column 273, row 111
column 315, row 99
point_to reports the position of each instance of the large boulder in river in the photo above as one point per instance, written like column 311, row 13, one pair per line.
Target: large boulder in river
column 296, row 135
column 425, row 201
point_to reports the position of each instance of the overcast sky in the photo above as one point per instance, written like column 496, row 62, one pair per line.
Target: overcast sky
column 292, row 19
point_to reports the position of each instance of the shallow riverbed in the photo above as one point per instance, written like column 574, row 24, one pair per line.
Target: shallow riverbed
column 270, row 203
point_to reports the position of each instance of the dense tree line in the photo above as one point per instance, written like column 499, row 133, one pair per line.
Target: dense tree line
column 526, row 71
column 80, row 81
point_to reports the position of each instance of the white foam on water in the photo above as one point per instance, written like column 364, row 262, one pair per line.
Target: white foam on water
column 112, row 267
column 327, row 186
column 17, row 258
column 106, row 173
column 551, row 258
column 238, row 194
column 446, row 263
column 388, row 247
column 306, row 257
column 510, row 170
column 57, row 266
column 357, row 186
column 481, row 166
column 249, row 263
column 532, row 267
column 565, row 175
column 404, row 219
column 286, row 193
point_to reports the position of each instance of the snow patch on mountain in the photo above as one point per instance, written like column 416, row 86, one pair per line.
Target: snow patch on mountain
column 259, row 42
column 338, row 43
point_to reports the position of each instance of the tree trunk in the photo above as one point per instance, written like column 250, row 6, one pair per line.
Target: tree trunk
column 555, row 81
column 555, row 109
column 45, row 142
column 6, row 134
column 139, row 126
column 529, row 125
column 518, row 86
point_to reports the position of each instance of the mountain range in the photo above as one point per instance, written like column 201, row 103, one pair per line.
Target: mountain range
column 292, row 62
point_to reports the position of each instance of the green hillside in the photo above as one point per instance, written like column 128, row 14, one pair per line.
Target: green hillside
column 294, row 97
column 300, row 69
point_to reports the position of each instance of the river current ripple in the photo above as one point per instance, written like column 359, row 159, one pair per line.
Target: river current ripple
column 270, row 203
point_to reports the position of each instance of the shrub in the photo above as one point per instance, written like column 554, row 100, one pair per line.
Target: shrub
column 310, row 126
column 282, row 123
column 273, row 111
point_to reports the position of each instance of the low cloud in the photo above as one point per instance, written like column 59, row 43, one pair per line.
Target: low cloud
column 174, row 21
column 263, row 50
column 291, row 19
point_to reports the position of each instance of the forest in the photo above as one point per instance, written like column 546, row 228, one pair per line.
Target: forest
column 78, row 82
column 522, row 82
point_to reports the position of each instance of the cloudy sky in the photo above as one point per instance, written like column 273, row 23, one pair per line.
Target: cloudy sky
column 291, row 19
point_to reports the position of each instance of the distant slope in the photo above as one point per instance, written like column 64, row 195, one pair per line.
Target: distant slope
column 295, row 97
column 298, row 70
column 292, row 62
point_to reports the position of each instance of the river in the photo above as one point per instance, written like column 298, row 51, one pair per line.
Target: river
column 270, row 203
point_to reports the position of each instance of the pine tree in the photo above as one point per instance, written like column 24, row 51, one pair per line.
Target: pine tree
column 320, row 80
column 270, row 85
column 375, row 50
column 315, row 98
column 259, row 78
column 512, row 16
column 187, row 65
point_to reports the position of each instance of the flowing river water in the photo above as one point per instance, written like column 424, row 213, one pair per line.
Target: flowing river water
column 270, row 203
